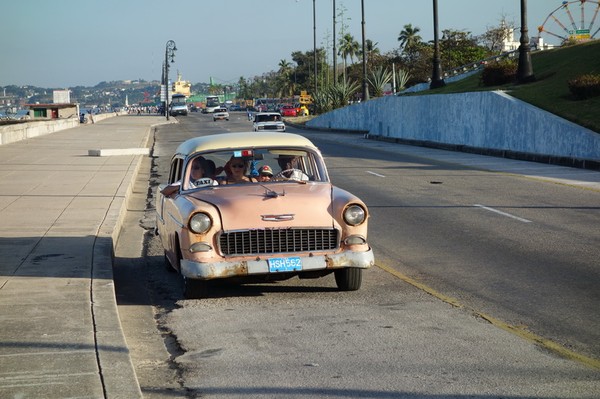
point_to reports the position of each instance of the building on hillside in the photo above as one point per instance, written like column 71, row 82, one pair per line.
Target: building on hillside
column 512, row 44
column 61, row 96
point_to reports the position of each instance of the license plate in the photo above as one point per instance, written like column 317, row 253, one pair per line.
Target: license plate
column 285, row 264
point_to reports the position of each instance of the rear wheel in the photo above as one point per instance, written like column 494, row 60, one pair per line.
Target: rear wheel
column 349, row 279
column 194, row 289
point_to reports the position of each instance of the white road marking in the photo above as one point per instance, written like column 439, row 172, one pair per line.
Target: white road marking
column 375, row 174
column 503, row 213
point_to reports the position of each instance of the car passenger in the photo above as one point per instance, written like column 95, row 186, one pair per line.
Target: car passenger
column 201, row 173
column 265, row 173
column 238, row 172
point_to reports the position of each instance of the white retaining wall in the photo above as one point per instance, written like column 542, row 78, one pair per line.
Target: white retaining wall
column 34, row 128
column 486, row 120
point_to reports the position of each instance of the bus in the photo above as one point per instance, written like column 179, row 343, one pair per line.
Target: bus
column 212, row 102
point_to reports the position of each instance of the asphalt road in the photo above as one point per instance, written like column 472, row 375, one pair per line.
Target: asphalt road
column 519, row 250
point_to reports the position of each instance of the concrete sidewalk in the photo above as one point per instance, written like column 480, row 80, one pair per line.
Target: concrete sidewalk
column 60, row 213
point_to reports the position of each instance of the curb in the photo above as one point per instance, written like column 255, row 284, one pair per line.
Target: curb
column 116, row 368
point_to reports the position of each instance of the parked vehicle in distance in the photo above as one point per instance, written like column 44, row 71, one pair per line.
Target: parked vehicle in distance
column 178, row 105
column 288, row 110
column 212, row 103
column 268, row 121
column 221, row 223
column 220, row 114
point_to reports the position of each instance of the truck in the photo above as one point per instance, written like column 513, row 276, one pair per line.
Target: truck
column 178, row 105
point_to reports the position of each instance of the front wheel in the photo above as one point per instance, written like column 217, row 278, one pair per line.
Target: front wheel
column 349, row 279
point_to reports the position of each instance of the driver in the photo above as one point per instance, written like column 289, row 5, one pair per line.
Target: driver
column 288, row 162
column 291, row 165
column 200, row 173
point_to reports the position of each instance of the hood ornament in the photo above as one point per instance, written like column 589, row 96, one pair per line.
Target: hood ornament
column 278, row 218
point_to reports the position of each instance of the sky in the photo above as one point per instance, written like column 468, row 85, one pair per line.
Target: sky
column 67, row 43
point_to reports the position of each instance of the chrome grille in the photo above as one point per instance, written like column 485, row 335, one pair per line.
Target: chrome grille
column 270, row 241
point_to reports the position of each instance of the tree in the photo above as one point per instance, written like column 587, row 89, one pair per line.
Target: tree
column 459, row 48
column 285, row 81
column 303, row 73
column 348, row 48
column 494, row 36
column 409, row 37
column 371, row 48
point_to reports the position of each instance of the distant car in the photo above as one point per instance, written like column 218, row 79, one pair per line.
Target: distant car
column 293, row 223
column 288, row 110
column 268, row 121
column 220, row 114
column 235, row 107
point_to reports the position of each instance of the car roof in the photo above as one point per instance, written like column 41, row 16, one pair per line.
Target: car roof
column 242, row 140
column 268, row 113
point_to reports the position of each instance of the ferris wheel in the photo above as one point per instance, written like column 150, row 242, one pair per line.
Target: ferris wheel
column 562, row 24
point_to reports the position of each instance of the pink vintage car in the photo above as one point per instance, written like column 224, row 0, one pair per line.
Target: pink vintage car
column 258, row 207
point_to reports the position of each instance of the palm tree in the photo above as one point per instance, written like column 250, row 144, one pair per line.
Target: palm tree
column 409, row 36
column 371, row 49
column 284, row 66
column 285, row 84
column 348, row 48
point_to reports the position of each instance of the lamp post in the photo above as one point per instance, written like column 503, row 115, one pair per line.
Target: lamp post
column 315, row 44
column 436, row 76
column 525, row 69
column 334, row 49
column 365, row 86
column 169, row 53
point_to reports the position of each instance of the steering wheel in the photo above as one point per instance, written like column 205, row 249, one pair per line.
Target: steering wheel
column 293, row 174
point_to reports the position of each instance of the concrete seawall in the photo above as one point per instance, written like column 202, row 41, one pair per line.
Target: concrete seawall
column 485, row 122
column 34, row 128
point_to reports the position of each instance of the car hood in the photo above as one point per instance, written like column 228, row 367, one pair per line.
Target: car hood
column 250, row 206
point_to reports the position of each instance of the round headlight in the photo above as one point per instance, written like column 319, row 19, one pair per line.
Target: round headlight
column 200, row 223
column 354, row 215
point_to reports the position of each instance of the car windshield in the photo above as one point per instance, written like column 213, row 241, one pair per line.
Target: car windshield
column 260, row 165
column 267, row 117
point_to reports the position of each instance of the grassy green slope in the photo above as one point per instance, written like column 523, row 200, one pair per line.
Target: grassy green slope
column 552, row 70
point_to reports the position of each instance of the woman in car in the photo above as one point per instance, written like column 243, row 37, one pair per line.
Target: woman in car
column 237, row 170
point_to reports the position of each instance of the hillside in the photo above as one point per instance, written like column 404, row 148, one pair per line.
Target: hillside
column 552, row 70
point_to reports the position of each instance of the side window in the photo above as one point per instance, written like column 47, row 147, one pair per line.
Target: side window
column 176, row 170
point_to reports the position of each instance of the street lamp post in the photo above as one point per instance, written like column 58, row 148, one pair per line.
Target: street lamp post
column 365, row 86
column 334, row 49
column 315, row 44
column 169, row 53
column 525, row 69
column 436, row 76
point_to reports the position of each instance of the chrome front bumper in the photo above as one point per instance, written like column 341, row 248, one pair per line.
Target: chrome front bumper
column 208, row 271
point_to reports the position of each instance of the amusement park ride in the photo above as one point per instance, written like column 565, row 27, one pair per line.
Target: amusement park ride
column 572, row 20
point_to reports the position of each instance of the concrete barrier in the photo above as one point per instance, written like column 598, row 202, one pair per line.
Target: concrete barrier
column 485, row 122
column 34, row 128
